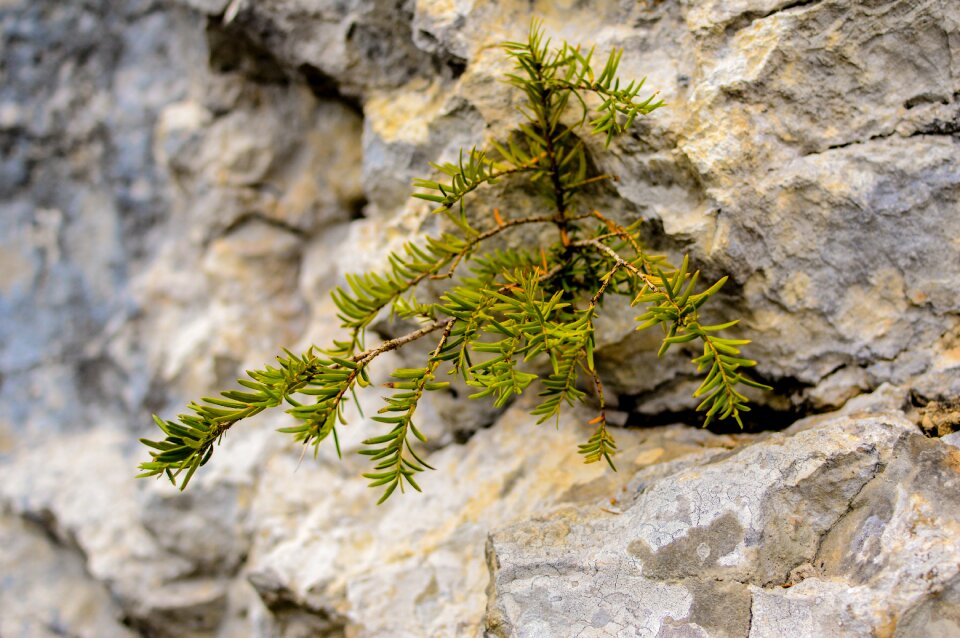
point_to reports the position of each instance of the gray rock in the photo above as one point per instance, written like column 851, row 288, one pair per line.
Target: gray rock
column 212, row 7
column 81, row 85
column 181, row 185
column 773, row 172
column 802, row 534
column 415, row 566
column 952, row 439
column 45, row 590
column 341, row 47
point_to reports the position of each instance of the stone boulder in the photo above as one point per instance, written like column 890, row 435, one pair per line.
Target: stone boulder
column 848, row 527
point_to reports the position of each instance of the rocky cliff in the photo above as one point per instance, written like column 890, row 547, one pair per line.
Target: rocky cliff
column 182, row 183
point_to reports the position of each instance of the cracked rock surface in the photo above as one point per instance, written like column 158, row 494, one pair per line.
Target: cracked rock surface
column 183, row 182
column 846, row 528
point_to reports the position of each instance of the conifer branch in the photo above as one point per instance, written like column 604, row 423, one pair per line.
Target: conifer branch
column 370, row 293
column 601, row 444
column 467, row 177
column 398, row 460
column 505, row 310
column 675, row 309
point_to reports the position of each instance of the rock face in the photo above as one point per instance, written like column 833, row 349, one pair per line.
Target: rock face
column 855, row 539
column 415, row 567
column 182, row 182
column 45, row 590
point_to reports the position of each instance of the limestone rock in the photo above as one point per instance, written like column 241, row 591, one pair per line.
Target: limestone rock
column 414, row 566
column 841, row 529
column 940, row 418
column 182, row 184
column 89, row 502
column 45, row 591
column 770, row 164
column 341, row 47
column 213, row 7
column 952, row 439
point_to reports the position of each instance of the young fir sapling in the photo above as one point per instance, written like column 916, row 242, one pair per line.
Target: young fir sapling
column 503, row 308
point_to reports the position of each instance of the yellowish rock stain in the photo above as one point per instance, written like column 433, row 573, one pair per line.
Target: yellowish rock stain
column 403, row 115
column 648, row 457
column 870, row 313
column 796, row 290
column 14, row 269
column 6, row 437
column 948, row 355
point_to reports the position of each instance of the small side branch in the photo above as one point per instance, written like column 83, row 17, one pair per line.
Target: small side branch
column 482, row 237
column 601, row 445
column 367, row 355
column 620, row 261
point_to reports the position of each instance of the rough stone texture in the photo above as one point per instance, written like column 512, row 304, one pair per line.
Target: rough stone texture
column 842, row 529
column 182, row 182
column 45, row 590
column 342, row 47
column 415, row 567
column 783, row 125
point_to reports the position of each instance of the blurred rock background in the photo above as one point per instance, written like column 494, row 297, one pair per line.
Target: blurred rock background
column 183, row 181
